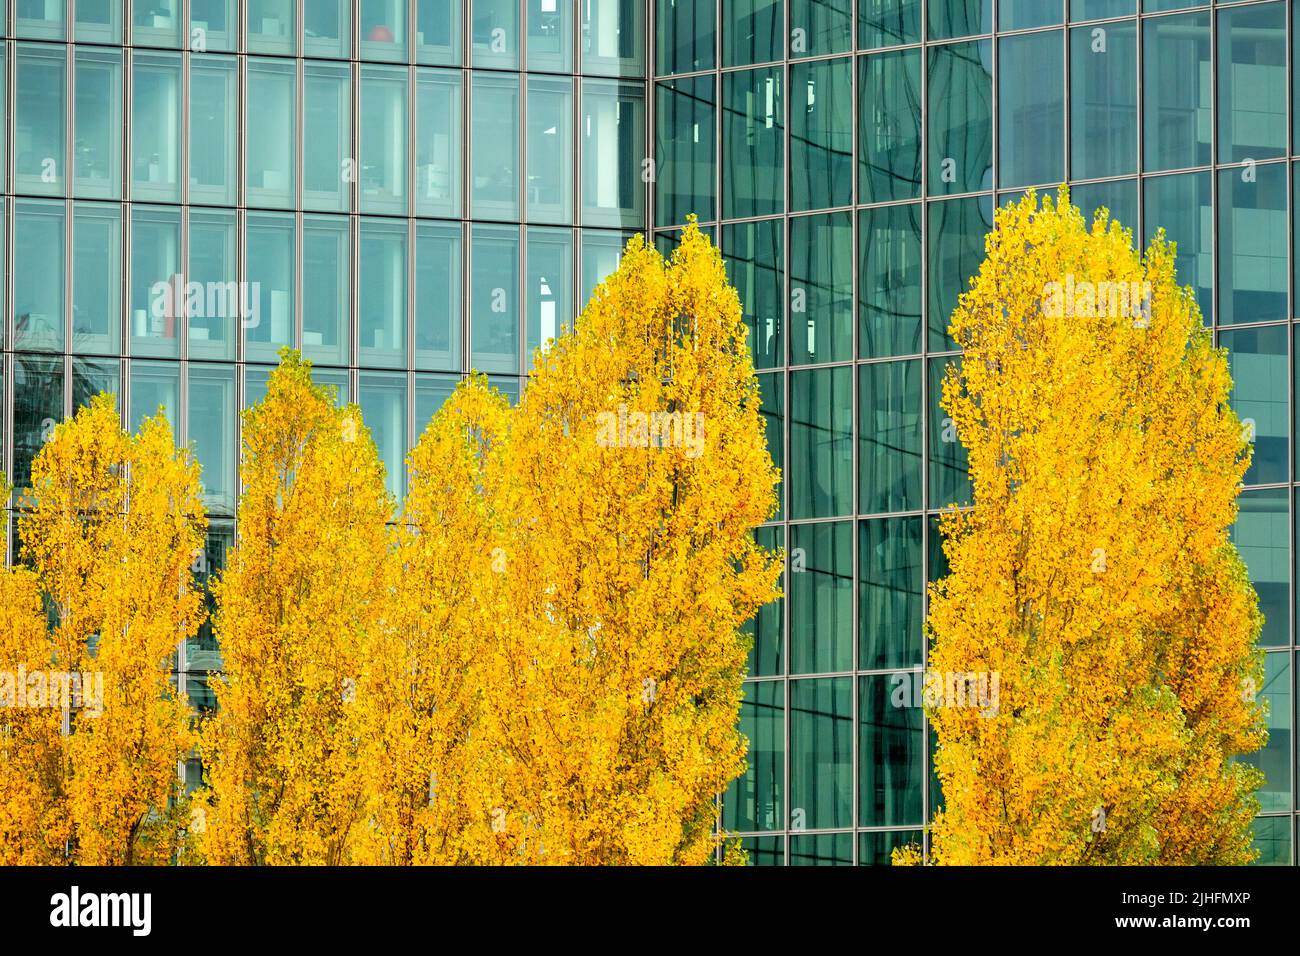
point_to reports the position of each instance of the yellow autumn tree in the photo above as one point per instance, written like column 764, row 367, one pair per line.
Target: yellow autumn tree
column 304, row 590
column 562, row 680
column 1093, row 647
column 431, row 764
column 31, row 789
column 110, row 530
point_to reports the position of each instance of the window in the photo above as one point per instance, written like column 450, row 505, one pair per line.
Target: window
column 216, row 305
column 820, row 473
column 1103, row 100
column 40, row 101
column 821, row 134
column 271, row 26
column 889, row 437
column 213, row 130
column 613, row 153
column 949, row 468
column 438, row 139
column 325, row 288
column 550, row 286
column 383, row 30
column 494, row 33
column 753, row 31
column 889, row 281
column 382, row 293
column 329, row 168
column 821, row 288
column 383, row 408
column 550, row 150
column 685, row 37
column 97, row 153
column 821, row 753
column 327, row 28
column 754, row 257
column 494, row 145
column 684, row 172
column 821, row 597
column 269, row 150
column 270, row 245
column 753, row 143
column 890, row 591
column 550, row 35
column 437, row 296
column 891, row 753
column 960, row 117
column 1031, row 109
column 753, row 801
column 96, row 278
column 613, row 37
column 1177, row 90
column 211, row 430
column 494, row 299
column 438, row 31
column 889, row 127
column 155, row 271
column 38, row 274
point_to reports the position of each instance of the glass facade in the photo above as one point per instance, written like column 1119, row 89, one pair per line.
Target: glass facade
column 849, row 156
column 410, row 189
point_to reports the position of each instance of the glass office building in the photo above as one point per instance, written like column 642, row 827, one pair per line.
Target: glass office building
column 408, row 189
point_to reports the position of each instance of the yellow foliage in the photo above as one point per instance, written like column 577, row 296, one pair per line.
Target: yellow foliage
column 114, row 521
column 304, row 590
column 1093, row 576
column 565, row 682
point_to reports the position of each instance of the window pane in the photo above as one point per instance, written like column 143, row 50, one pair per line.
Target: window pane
column 550, row 150
column 613, row 38
column 271, row 27
column 212, row 432
column 888, row 22
column 767, row 653
column 1252, row 244
column 613, row 153
column 550, row 35
column 438, row 141
column 156, row 23
column 494, row 115
column 891, row 753
column 99, row 21
column 96, row 278
column 494, row 299
column 90, row 377
column 771, row 391
column 1099, row 9
column 821, row 597
column 39, row 104
column 949, row 466
column 1103, row 100
column 1025, row 14
column 383, row 139
column 821, row 849
column 890, row 588
column 1262, row 535
column 601, row 253
column 213, row 25
column 1031, row 109
column 269, row 148
column 1252, row 82
column 155, row 388
column 430, row 392
column 753, row 802
column 1119, row 197
column 382, row 293
column 213, row 130
column 383, row 409
column 97, row 158
column 753, row 132
column 1275, row 758
column 685, row 148
column 38, row 407
column 1181, row 206
column 753, row 256
column 215, row 303
column 752, row 31
column 495, row 33
column 328, row 167
column 325, row 287
column 961, row 118
column 39, row 19
column 155, row 125
column 889, row 437
column 38, row 274
column 960, row 18
column 1273, row 840
column 821, row 288
column 270, row 270
column 550, row 286
column 383, row 30
column 821, row 753
column 1257, row 360
column 820, row 26
column 876, row 849
column 889, row 131
column 821, row 134
column 889, row 281
column 437, row 296
column 438, row 31
column 327, row 25
column 956, row 240
column 820, row 476
column 155, row 267
column 1177, row 87
column 685, row 37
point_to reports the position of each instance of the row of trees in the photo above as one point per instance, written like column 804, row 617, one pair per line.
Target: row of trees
column 538, row 658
